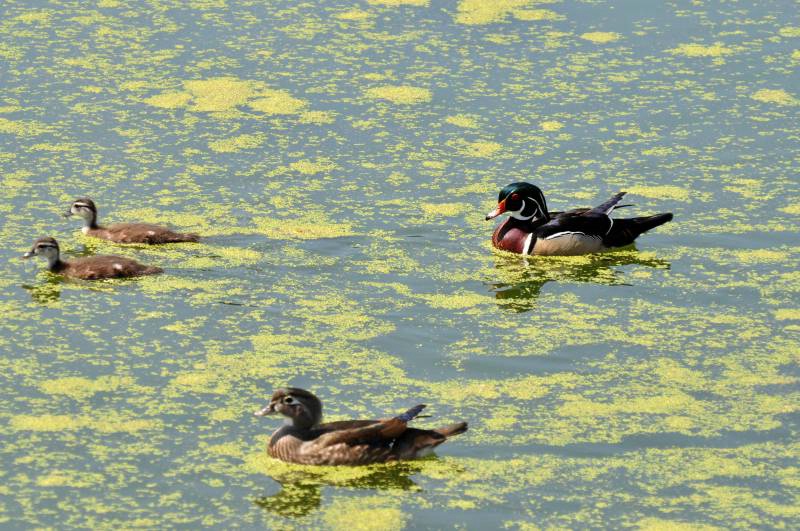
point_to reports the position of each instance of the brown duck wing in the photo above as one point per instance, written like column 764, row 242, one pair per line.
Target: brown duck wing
column 343, row 425
column 382, row 430
column 146, row 233
column 110, row 266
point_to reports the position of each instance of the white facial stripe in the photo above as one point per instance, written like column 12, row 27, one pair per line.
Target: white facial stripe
column 539, row 208
column 517, row 214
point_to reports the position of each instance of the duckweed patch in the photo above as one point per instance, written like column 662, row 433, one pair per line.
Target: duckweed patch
column 778, row 96
column 401, row 94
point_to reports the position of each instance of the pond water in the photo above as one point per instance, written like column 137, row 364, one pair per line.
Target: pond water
column 340, row 156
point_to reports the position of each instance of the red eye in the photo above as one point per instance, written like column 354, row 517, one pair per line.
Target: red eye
column 514, row 196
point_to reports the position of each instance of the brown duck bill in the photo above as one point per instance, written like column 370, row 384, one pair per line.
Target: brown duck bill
column 269, row 409
column 27, row 255
column 67, row 214
column 501, row 207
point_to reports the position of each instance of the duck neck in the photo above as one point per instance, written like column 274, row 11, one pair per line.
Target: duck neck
column 54, row 262
column 90, row 223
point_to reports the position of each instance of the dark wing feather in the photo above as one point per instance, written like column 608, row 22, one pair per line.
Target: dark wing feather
column 585, row 222
column 342, row 425
column 379, row 432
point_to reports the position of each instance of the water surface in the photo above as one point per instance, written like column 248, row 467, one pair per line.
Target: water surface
column 340, row 157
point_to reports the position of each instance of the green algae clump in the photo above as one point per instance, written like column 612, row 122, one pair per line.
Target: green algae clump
column 473, row 12
column 777, row 96
column 225, row 94
column 600, row 37
column 399, row 94
column 700, row 50
column 237, row 143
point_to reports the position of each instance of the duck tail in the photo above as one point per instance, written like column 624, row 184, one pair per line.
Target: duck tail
column 646, row 223
column 625, row 231
column 609, row 206
column 186, row 237
column 411, row 413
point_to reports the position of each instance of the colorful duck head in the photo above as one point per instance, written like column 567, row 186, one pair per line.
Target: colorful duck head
column 522, row 201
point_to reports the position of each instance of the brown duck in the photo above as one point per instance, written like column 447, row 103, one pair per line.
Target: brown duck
column 91, row 267
column 124, row 232
column 304, row 440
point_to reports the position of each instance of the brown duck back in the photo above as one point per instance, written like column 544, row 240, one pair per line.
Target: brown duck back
column 141, row 233
column 105, row 266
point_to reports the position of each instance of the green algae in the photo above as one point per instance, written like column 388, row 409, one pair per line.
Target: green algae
column 236, row 143
column 700, row 50
column 600, row 37
column 778, row 96
column 225, row 94
column 474, row 12
column 400, row 94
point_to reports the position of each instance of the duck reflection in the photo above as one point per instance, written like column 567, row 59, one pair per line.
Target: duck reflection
column 522, row 278
column 301, row 490
column 46, row 292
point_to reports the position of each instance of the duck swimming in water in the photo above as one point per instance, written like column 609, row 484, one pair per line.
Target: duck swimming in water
column 305, row 440
column 532, row 230
column 91, row 267
column 85, row 209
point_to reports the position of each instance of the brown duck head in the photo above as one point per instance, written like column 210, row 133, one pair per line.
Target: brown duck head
column 301, row 408
column 46, row 247
column 85, row 209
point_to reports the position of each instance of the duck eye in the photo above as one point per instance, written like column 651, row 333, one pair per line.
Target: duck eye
column 288, row 400
column 514, row 196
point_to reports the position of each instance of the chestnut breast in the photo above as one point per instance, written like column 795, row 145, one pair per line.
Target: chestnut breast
column 510, row 237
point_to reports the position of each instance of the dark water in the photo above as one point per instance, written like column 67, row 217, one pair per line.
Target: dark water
column 340, row 157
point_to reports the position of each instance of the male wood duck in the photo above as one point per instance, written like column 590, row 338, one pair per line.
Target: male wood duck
column 531, row 229
column 91, row 267
column 124, row 232
column 304, row 440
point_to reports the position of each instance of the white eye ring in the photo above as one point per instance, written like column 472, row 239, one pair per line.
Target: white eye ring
column 288, row 400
